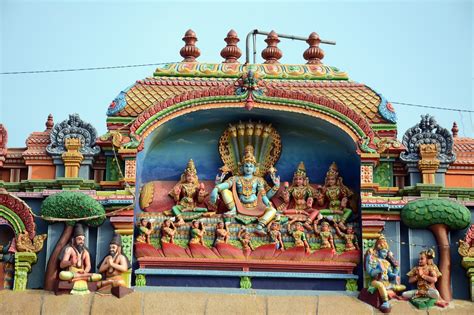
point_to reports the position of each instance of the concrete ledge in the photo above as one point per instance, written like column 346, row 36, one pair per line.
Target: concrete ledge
column 184, row 301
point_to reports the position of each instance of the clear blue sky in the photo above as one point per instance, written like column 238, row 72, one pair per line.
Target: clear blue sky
column 410, row 52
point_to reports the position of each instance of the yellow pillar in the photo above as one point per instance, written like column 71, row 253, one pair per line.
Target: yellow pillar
column 429, row 162
column 72, row 158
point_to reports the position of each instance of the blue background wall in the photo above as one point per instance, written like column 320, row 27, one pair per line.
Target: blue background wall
column 196, row 136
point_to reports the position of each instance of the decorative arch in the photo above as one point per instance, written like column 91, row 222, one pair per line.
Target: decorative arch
column 336, row 113
column 17, row 213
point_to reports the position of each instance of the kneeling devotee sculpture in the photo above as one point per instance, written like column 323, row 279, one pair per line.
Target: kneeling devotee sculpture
column 383, row 271
column 246, row 193
column 75, row 263
column 425, row 275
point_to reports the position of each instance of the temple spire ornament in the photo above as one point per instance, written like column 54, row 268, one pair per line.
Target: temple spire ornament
column 190, row 52
column 455, row 130
column 49, row 123
column 314, row 53
column 231, row 53
column 272, row 53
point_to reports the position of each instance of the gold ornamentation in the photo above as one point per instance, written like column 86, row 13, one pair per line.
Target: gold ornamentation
column 260, row 143
column 25, row 244
column 146, row 195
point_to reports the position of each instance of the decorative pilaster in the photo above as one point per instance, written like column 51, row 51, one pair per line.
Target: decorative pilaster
column 140, row 280
column 367, row 166
column 468, row 264
column 428, row 164
column 23, row 262
column 129, row 156
column 72, row 158
column 466, row 250
column 123, row 225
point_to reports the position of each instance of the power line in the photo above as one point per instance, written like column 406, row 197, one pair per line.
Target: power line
column 435, row 107
column 84, row 69
column 163, row 63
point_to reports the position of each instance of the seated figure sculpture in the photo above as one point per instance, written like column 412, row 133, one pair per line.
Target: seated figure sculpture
column 298, row 199
column 425, row 275
column 383, row 271
column 75, row 263
column 247, row 191
column 188, row 194
column 327, row 239
column 336, row 195
column 113, row 266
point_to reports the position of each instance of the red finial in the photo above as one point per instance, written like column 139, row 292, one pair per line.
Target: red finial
column 190, row 52
column 455, row 130
column 272, row 53
column 49, row 123
column 313, row 54
column 231, row 52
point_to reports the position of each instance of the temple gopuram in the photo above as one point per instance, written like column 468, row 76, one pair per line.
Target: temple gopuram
column 242, row 175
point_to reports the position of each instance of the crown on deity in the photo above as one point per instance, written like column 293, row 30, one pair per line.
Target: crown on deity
column 381, row 243
column 430, row 253
column 333, row 171
column 248, row 156
column 190, row 168
column 301, row 170
column 325, row 223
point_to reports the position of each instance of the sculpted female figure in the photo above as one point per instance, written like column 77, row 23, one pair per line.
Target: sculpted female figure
column 327, row 240
column 245, row 239
column 275, row 236
column 197, row 233
column 168, row 231
column 188, row 194
column 337, row 196
column 242, row 193
column 298, row 198
column 350, row 239
column 299, row 236
column 222, row 234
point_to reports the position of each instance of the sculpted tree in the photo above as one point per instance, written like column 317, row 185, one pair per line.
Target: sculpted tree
column 439, row 216
column 68, row 205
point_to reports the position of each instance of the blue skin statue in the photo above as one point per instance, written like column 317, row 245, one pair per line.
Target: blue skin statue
column 248, row 187
column 383, row 273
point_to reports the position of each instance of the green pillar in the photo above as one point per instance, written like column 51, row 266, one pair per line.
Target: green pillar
column 23, row 262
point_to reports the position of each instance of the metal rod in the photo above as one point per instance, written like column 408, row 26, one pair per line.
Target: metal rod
column 254, row 48
column 256, row 31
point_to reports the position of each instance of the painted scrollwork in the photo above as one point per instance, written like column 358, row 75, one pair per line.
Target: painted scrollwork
column 74, row 127
column 428, row 132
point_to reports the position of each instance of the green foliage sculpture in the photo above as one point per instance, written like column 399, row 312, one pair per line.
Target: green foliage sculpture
column 68, row 205
column 439, row 216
